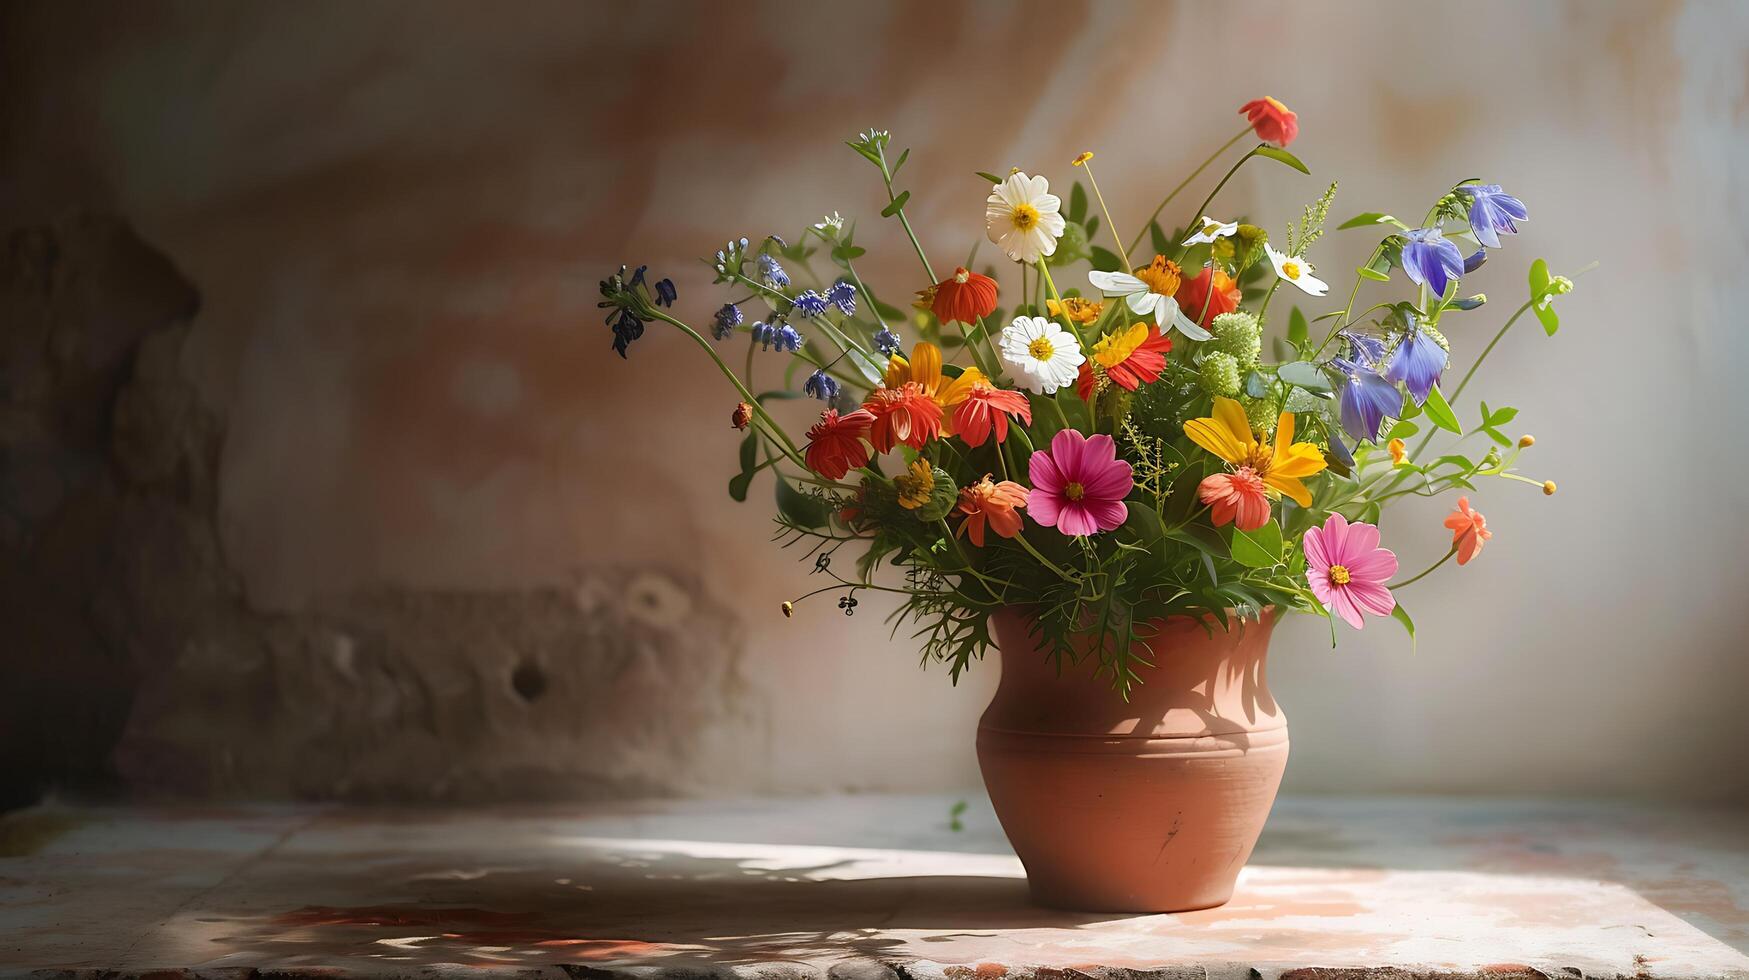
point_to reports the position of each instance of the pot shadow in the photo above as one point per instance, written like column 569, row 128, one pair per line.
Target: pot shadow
column 625, row 908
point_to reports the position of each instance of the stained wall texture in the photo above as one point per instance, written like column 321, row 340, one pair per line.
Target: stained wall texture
column 406, row 527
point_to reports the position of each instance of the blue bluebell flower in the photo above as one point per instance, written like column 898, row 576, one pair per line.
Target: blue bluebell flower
column 1365, row 400
column 1475, row 261
column 1431, row 259
column 1493, row 212
column 772, row 273
column 665, row 293
column 626, row 328
column 1417, row 363
column 810, row 303
column 763, row 333
column 727, row 319
column 842, row 295
column 821, row 385
column 887, row 342
column 786, row 339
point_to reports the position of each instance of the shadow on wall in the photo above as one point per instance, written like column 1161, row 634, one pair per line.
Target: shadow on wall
column 133, row 652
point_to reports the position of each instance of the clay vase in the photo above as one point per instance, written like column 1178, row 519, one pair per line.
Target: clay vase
column 1150, row 805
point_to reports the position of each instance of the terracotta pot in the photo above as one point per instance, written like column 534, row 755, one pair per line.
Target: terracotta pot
column 1147, row 806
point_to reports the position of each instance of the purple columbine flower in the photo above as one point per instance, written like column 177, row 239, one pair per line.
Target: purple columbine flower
column 842, row 295
column 1432, row 260
column 821, row 385
column 887, row 342
column 810, row 303
column 1417, row 363
column 786, row 339
column 772, row 273
column 1493, row 212
column 727, row 319
column 665, row 293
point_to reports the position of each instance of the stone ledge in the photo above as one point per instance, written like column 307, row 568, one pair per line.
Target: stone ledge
column 856, row 888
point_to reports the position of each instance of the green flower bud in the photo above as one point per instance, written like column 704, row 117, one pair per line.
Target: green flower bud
column 1261, row 412
column 1220, row 374
column 1250, row 240
column 1560, row 285
column 1238, row 334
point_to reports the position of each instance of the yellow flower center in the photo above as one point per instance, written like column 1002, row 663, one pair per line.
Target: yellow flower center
column 1076, row 491
column 1210, row 228
column 1290, row 270
column 1339, row 574
column 1161, row 275
column 1116, row 347
column 915, row 486
column 1025, row 216
column 1041, row 350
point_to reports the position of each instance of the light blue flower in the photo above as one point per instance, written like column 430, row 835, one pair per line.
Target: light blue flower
column 821, row 385
column 1417, row 363
column 887, row 342
column 810, row 303
column 727, row 319
column 1493, row 212
column 842, row 295
column 1432, row 260
column 772, row 273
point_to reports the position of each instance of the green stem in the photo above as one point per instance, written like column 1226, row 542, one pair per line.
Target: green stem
column 1182, row 185
column 1046, row 562
column 1112, row 225
column 1489, row 349
column 887, row 178
column 1203, row 209
column 746, row 396
column 1394, row 586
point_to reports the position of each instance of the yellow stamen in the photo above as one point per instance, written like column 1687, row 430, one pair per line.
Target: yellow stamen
column 1041, row 350
column 1161, row 275
column 1025, row 217
column 1074, row 491
column 1085, row 156
column 1290, row 270
column 1339, row 574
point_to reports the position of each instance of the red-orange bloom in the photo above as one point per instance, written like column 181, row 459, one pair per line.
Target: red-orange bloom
column 1469, row 530
column 1238, row 498
column 995, row 504
column 987, row 407
column 838, row 444
column 1194, row 300
column 1272, row 121
column 905, row 414
column 1130, row 358
column 964, row 296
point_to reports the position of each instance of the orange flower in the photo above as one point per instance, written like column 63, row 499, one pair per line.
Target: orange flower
column 1238, row 497
column 742, row 417
column 965, row 297
column 1129, row 358
column 984, row 408
column 1469, row 530
column 906, row 414
column 837, row 443
column 1076, row 308
column 1162, row 275
column 997, row 504
column 1398, row 453
column 1194, row 299
column 1272, row 121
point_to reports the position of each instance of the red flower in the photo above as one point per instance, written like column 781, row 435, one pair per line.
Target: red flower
column 1273, row 122
column 1193, row 296
column 1238, row 497
column 964, row 296
column 983, row 410
column 1130, row 358
column 838, row 444
column 904, row 414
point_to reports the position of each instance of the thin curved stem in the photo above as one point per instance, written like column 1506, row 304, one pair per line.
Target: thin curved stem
column 790, row 449
column 1394, row 586
column 1175, row 191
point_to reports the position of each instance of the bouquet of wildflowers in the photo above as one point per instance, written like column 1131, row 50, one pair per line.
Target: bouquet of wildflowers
column 1114, row 448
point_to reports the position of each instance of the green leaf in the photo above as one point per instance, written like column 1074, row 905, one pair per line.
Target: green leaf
column 739, row 483
column 1280, row 155
column 799, row 508
column 1256, row 385
column 1440, row 413
column 1539, row 279
column 1077, row 203
column 1551, row 320
column 1258, row 549
column 992, row 178
column 1157, row 238
column 1497, row 436
column 1201, row 537
column 1304, row 374
column 1296, row 327
column 1367, row 272
column 1402, row 430
column 866, row 152
column 898, row 202
column 1401, row 615
column 1105, row 260
column 900, row 162
column 1092, row 224
column 942, row 498
column 1368, row 218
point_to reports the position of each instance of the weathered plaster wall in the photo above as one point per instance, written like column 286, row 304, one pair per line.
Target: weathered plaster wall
column 422, row 473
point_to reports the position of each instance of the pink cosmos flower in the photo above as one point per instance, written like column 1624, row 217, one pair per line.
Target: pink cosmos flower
column 1348, row 570
column 1079, row 485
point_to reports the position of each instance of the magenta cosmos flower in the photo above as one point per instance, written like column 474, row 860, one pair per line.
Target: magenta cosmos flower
column 1079, row 485
column 1348, row 570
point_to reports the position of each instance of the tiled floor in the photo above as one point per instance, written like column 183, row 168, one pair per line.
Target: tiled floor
column 861, row 886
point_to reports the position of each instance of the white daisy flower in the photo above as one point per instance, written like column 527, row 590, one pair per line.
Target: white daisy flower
column 830, row 227
column 1023, row 218
column 1046, row 356
column 1143, row 300
column 1209, row 229
column 1296, row 270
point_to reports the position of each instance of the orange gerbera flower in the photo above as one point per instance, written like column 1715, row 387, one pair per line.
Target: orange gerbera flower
column 995, row 504
column 838, row 444
column 1238, row 497
column 1195, row 301
column 987, row 407
column 965, row 297
column 1077, row 308
column 1469, row 530
column 905, row 414
column 1129, row 358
